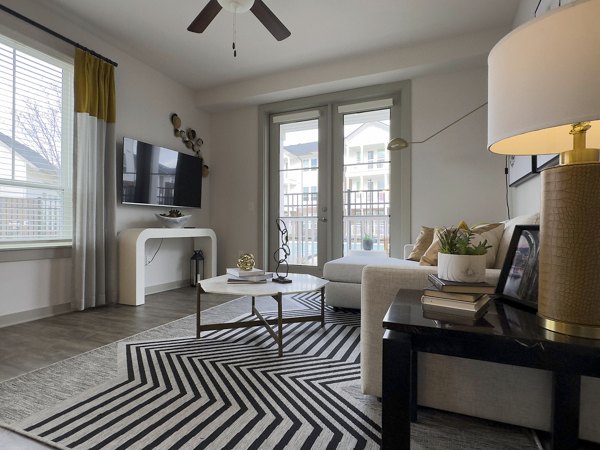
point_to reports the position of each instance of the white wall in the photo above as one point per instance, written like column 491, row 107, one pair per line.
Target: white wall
column 145, row 101
column 526, row 198
column 235, row 184
column 34, row 285
column 454, row 176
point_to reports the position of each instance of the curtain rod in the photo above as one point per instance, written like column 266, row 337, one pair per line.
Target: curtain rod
column 55, row 34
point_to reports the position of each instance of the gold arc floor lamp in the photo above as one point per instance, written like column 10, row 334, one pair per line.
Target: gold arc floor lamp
column 399, row 143
column 544, row 98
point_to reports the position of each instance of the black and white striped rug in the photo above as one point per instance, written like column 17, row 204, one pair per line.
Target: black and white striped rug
column 227, row 390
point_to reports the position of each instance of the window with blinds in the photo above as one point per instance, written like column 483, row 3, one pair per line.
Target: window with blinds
column 36, row 147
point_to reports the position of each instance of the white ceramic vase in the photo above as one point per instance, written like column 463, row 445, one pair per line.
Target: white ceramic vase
column 464, row 268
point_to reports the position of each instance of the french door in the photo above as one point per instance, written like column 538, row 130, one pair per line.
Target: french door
column 299, row 191
column 329, row 183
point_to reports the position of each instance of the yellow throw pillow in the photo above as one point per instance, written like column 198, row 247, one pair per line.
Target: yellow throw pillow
column 462, row 225
column 423, row 242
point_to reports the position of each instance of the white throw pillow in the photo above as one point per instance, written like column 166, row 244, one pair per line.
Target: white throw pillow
column 492, row 236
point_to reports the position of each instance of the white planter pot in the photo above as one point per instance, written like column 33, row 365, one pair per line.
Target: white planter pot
column 465, row 268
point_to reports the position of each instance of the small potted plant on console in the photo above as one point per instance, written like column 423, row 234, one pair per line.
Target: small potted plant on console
column 173, row 219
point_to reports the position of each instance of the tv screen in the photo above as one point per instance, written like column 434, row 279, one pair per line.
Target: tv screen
column 154, row 175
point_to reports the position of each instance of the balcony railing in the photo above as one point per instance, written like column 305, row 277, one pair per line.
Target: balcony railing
column 365, row 212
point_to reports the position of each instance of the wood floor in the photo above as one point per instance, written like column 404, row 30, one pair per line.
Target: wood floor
column 32, row 345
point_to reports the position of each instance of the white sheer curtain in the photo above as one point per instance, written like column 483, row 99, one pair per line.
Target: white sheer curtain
column 94, row 243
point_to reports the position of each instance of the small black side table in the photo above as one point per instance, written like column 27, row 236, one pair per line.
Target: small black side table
column 513, row 338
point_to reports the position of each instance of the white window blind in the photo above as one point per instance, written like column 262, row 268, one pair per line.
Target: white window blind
column 36, row 147
column 366, row 106
column 296, row 116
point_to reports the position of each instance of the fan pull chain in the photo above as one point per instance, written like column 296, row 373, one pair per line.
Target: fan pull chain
column 234, row 35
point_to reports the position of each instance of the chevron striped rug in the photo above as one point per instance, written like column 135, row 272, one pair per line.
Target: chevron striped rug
column 227, row 390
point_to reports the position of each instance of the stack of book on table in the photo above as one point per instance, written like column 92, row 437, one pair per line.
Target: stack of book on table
column 253, row 276
column 456, row 298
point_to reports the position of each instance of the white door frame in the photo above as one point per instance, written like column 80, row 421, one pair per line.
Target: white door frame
column 400, row 183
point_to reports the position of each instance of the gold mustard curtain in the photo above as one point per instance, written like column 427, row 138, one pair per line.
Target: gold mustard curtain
column 94, row 87
column 94, row 240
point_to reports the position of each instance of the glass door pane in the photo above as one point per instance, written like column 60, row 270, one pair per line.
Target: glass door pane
column 366, row 182
column 297, row 196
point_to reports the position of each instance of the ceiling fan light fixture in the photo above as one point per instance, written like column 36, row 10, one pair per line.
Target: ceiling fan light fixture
column 257, row 7
column 236, row 6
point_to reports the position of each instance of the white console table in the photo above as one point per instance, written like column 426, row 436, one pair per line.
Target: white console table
column 132, row 255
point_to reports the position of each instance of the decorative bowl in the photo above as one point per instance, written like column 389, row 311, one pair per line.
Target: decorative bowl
column 173, row 222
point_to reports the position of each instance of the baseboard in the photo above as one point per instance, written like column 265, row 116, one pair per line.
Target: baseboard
column 166, row 286
column 34, row 314
column 55, row 310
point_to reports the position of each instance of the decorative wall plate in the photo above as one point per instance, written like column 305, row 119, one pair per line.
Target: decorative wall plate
column 189, row 137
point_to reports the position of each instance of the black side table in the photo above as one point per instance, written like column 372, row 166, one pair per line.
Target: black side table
column 514, row 338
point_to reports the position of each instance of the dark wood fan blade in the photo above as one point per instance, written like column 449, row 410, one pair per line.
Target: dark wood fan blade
column 270, row 20
column 205, row 17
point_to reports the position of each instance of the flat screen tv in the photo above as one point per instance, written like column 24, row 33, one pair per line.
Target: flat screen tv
column 154, row 175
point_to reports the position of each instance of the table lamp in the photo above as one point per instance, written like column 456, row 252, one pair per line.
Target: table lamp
column 544, row 98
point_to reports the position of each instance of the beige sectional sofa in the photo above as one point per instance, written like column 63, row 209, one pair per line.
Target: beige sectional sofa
column 510, row 394
column 345, row 274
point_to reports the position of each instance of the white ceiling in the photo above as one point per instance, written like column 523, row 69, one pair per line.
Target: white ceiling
column 155, row 31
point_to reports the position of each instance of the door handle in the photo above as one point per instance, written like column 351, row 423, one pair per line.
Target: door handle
column 323, row 219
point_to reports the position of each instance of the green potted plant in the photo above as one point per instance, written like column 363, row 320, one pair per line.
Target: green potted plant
column 459, row 259
column 367, row 242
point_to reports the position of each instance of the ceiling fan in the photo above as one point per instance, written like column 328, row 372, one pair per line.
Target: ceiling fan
column 258, row 8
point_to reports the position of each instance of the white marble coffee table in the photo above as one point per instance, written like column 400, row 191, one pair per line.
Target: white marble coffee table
column 300, row 283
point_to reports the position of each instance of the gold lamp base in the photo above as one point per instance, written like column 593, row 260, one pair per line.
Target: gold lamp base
column 571, row 329
column 569, row 262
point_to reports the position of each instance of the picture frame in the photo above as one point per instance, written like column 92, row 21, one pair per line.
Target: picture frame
column 518, row 282
column 520, row 168
column 544, row 161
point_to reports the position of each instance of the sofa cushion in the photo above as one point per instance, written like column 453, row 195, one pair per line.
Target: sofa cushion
column 509, row 228
column 342, row 295
column 492, row 233
column 349, row 268
column 422, row 243
column 430, row 256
